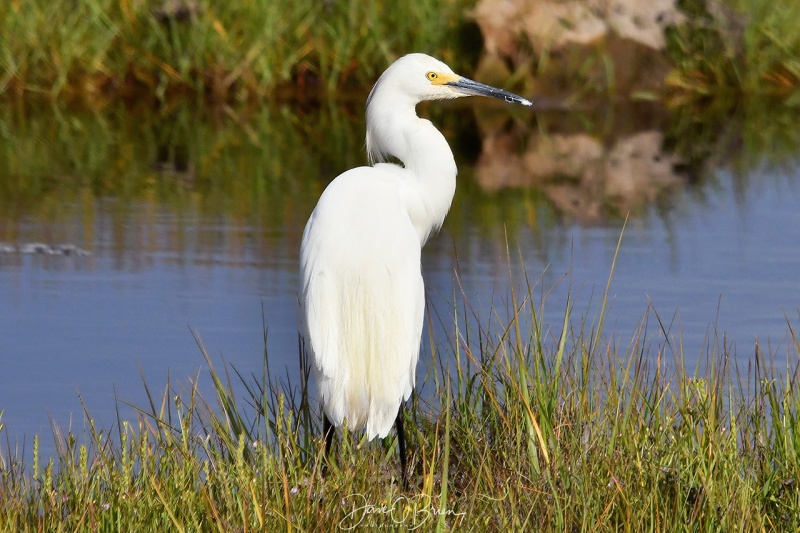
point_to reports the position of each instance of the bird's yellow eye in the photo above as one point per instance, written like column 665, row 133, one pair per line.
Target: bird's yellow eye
column 431, row 76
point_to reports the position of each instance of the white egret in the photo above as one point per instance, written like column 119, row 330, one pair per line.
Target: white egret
column 362, row 293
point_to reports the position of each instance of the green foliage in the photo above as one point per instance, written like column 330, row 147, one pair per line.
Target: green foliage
column 704, row 51
column 735, row 46
column 96, row 49
column 92, row 51
column 771, row 44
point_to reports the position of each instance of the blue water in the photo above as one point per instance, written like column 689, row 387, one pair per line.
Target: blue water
column 725, row 268
column 724, row 258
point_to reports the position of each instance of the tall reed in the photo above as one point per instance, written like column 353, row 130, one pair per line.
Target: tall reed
column 92, row 50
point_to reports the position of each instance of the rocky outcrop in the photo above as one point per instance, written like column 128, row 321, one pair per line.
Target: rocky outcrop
column 629, row 32
column 553, row 24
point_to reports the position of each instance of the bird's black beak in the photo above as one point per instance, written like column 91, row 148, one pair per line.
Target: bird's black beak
column 468, row 87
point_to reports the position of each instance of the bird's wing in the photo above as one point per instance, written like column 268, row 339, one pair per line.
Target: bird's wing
column 363, row 298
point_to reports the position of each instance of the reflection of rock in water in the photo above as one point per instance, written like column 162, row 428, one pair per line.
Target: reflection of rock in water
column 581, row 177
column 637, row 169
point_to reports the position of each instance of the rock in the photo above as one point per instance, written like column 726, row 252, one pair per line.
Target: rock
column 553, row 24
column 567, row 44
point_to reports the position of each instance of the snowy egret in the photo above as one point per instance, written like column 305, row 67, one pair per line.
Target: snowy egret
column 362, row 293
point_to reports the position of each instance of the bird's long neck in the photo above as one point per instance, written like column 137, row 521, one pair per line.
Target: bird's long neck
column 399, row 132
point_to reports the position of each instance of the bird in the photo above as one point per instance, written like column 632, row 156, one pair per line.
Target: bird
column 361, row 294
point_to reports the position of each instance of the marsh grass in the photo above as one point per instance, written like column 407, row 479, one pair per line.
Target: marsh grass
column 96, row 51
column 521, row 425
column 735, row 47
column 92, row 50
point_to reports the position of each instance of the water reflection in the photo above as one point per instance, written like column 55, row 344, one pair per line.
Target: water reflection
column 193, row 217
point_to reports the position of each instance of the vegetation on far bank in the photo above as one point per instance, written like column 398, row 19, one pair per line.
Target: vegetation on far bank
column 96, row 51
column 524, row 426
column 106, row 49
column 736, row 46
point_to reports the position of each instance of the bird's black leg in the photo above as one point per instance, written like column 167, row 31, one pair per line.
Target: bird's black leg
column 327, row 429
column 401, row 444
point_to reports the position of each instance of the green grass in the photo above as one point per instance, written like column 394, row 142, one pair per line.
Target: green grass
column 523, row 425
column 96, row 50
column 741, row 47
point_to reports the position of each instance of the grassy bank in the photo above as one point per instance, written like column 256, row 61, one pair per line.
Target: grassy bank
column 94, row 51
column 525, row 426
column 107, row 49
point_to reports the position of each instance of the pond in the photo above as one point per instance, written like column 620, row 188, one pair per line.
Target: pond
column 192, row 218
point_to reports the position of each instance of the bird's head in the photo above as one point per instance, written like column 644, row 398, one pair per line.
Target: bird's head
column 408, row 81
column 421, row 77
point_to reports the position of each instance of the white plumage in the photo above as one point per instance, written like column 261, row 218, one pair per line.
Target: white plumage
column 362, row 293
